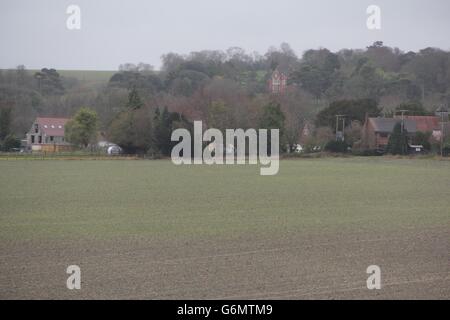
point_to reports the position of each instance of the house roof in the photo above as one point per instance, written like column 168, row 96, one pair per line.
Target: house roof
column 386, row 125
column 425, row 123
column 52, row 126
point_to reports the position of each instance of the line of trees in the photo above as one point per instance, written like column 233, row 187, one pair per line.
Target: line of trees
column 138, row 129
column 228, row 89
column 8, row 141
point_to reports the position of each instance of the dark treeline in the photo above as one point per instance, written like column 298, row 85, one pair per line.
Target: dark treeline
column 229, row 89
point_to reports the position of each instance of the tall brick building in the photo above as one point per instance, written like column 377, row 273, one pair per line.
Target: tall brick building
column 278, row 82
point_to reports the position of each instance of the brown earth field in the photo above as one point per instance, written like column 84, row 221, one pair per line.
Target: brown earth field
column 414, row 265
column 317, row 251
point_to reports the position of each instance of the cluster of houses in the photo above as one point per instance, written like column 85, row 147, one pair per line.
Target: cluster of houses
column 376, row 131
column 47, row 134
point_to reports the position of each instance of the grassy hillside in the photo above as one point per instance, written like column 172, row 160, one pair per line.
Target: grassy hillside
column 88, row 75
column 84, row 75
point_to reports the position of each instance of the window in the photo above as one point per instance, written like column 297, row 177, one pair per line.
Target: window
column 40, row 139
column 45, row 126
column 53, row 127
column 36, row 128
column 32, row 138
column 51, row 138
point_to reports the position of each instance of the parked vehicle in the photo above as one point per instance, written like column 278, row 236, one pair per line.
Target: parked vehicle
column 114, row 150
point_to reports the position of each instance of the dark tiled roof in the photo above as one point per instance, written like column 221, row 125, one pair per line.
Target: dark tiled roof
column 387, row 125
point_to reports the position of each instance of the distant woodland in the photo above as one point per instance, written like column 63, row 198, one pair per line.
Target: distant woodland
column 228, row 89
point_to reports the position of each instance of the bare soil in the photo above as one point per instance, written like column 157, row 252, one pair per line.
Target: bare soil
column 415, row 264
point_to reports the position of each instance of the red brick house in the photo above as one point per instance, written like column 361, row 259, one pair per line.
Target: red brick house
column 376, row 131
column 278, row 82
column 47, row 134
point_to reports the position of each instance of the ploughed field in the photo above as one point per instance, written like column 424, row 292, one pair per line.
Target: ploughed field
column 143, row 229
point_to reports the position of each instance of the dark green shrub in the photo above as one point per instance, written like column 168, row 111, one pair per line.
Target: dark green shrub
column 337, row 146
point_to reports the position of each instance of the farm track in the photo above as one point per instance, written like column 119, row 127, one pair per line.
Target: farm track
column 415, row 264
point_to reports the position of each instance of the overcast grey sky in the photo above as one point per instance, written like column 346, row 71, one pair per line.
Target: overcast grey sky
column 34, row 32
